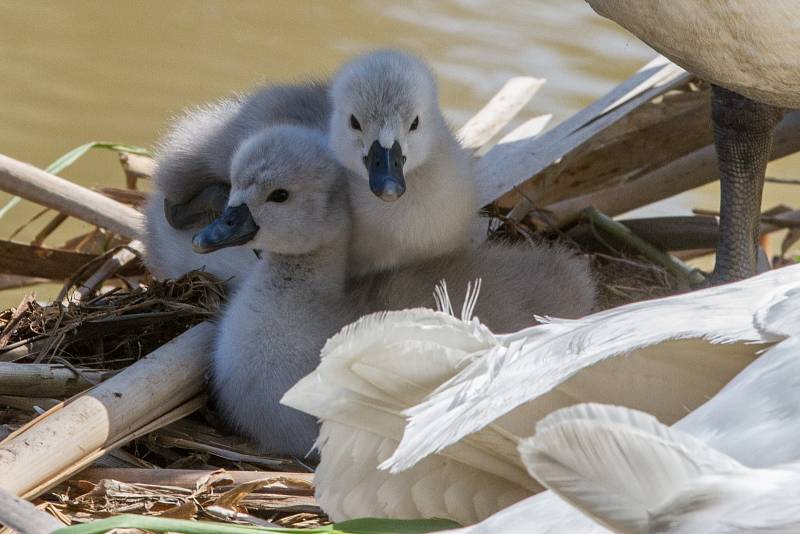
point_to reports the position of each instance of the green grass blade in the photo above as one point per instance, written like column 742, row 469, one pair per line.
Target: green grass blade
column 9, row 205
column 355, row 526
column 71, row 157
column 372, row 525
column 161, row 524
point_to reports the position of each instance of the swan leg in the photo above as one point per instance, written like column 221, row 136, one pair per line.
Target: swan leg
column 743, row 133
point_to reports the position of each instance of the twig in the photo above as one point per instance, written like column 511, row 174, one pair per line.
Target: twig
column 16, row 316
column 51, row 227
column 232, row 515
column 179, row 412
column 15, row 281
column 687, row 172
column 188, row 478
column 623, row 233
column 122, row 257
column 45, row 380
column 24, row 517
column 135, row 167
column 131, row 197
column 129, row 400
column 39, row 186
column 785, row 181
column 40, row 262
column 510, row 164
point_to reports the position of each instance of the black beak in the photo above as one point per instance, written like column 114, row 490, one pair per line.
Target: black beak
column 234, row 227
column 199, row 210
column 385, row 167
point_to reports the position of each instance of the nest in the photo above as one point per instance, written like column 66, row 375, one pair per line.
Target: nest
column 112, row 330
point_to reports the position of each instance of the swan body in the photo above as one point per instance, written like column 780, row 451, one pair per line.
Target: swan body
column 747, row 46
column 293, row 208
column 472, row 395
column 630, row 472
column 747, row 49
column 754, row 420
column 192, row 177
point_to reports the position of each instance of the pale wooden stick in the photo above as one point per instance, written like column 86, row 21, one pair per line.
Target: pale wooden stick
column 508, row 165
column 23, row 517
column 39, row 186
column 528, row 129
column 136, row 167
column 37, row 261
column 688, row 172
column 185, row 478
column 499, row 111
column 131, row 197
column 29, row 404
column 111, row 266
column 180, row 412
column 141, row 393
column 45, row 380
column 12, row 281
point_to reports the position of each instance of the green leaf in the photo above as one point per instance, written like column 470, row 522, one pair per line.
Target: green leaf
column 355, row 526
column 71, row 157
column 161, row 524
column 372, row 525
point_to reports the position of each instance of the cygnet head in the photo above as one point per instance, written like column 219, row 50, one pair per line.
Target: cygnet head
column 288, row 196
column 385, row 118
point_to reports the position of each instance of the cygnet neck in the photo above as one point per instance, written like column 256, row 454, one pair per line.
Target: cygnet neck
column 325, row 269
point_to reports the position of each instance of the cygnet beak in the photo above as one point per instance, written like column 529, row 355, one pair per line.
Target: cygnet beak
column 199, row 210
column 385, row 168
column 234, row 227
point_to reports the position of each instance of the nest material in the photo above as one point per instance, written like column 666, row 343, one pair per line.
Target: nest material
column 109, row 333
column 113, row 330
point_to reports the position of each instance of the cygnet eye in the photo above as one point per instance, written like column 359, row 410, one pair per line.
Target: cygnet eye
column 354, row 124
column 415, row 124
column 279, row 195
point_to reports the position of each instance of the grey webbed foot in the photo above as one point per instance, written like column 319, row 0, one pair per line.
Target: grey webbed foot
column 743, row 133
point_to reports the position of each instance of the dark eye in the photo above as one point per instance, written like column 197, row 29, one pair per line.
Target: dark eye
column 354, row 124
column 415, row 124
column 279, row 195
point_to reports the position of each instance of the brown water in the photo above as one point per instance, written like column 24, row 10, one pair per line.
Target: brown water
column 87, row 70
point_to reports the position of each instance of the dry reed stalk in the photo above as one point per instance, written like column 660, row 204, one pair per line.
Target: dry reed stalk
column 690, row 171
column 51, row 227
column 40, row 262
column 131, row 197
column 121, row 258
column 32, row 183
column 528, row 129
column 498, row 112
column 91, row 457
column 15, row 281
column 45, row 380
column 507, row 167
column 24, row 517
column 189, row 478
column 135, row 167
column 51, row 443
